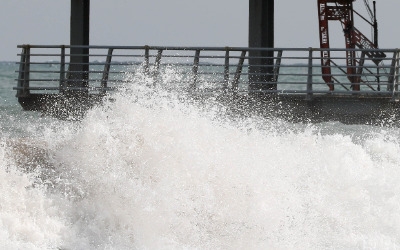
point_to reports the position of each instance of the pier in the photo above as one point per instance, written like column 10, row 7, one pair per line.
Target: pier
column 300, row 90
column 356, row 84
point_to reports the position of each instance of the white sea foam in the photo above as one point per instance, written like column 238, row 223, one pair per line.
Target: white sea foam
column 151, row 170
column 28, row 218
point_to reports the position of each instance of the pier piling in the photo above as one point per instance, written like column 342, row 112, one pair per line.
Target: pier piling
column 79, row 35
column 261, row 35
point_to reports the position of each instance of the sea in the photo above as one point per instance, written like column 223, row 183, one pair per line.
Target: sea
column 151, row 168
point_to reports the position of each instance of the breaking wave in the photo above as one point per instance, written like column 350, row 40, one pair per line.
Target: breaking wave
column 154, row 169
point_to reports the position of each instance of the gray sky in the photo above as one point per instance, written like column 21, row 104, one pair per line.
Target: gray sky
column 176, row 22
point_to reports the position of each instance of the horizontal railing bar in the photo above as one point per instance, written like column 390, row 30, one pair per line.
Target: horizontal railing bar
column 384, row 94
column 202, row 64
column 89, row 55
column 67, row 63
column 281, row 83
column 212, row 65
column 207, row 57
column 130, row 55
column 44, row 79
column 205, row 48
column 40, row 71
column 57, row 72
column 209, row 81
column 66, row 88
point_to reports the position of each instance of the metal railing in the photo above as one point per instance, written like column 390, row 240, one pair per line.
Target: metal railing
column 297, row 71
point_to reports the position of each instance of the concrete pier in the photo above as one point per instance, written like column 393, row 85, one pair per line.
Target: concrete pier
column 269, row 85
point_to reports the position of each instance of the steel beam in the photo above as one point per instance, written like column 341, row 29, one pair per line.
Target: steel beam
column 79, row 61
column 261, row 35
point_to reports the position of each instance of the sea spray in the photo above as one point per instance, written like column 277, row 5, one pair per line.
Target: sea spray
column 29, row 219
column 151, row 169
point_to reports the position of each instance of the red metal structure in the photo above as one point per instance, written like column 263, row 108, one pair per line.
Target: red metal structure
column 342, row 11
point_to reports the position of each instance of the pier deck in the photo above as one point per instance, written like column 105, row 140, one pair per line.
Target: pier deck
column 291, row 81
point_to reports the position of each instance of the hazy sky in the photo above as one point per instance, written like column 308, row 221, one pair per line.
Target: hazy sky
column 176, row 22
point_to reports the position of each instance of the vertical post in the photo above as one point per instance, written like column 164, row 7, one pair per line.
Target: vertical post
column 79, row 60
column 106, row 72
column 146, row 61
column 195, row 69
column 62, row 70
column 27, row 71
column 277, row 66
column 394, row 68
column 156, row 70
column 235, row 82
column 360, row 67
column 396, row 75
column 158, row 60
column 23, row 73
column 261, row 35
column 226, row 70
column 378, row 78
column 375, row 27
column 310, row 75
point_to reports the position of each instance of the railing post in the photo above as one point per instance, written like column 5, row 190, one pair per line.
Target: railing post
column 360, row 67
column 235, row 82
column 226, row 70
column 106, row 72
column 397, row 71
column 195, row 69
column 396, row 75
column 378, row 78
column 24, row 70
column 277, row 66
column 27, row 70
column 157, row 66
column 310, row 75
column 393, row 70
column 62, row 70
column 146, row 61
column 22, row 74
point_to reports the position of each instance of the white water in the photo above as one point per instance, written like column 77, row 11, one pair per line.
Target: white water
column 153, row 171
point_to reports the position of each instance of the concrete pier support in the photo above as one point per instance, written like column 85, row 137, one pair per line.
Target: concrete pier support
column 261, row 35
column 80, row 13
